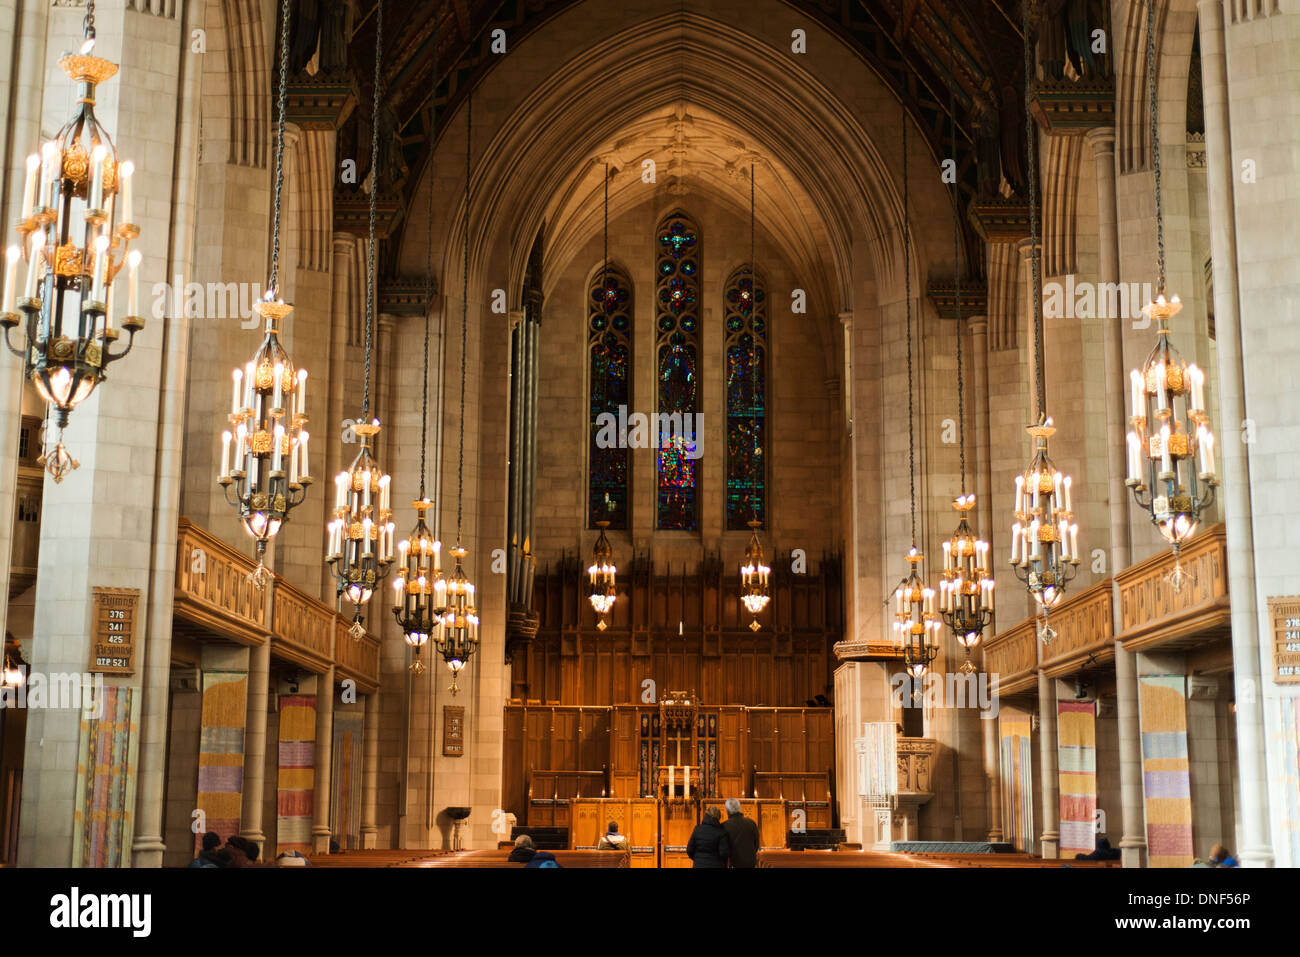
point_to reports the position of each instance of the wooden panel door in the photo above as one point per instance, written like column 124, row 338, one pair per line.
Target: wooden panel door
column 643, row 832
column 624, row 772
column 731, row 753
column 587, row 825
column 791, row 753
column 762, row 740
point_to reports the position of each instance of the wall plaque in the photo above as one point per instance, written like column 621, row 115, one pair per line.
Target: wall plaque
column 112, row 650
column 453, row 730
column 1285, row 614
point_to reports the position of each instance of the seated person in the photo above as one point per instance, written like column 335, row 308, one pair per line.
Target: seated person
column 524, row 850
column 543, row 859
column 613, row 841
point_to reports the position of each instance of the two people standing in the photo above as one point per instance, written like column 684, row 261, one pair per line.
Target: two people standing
column 715, row 844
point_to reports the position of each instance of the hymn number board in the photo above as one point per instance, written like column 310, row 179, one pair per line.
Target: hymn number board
column 113, row 643
column 1285, row 614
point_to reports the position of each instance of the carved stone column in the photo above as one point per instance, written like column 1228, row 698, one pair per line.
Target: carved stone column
column 993, row 776
column 320, row 828
column 370, row 774
column 259, row 672
column 1050, row 840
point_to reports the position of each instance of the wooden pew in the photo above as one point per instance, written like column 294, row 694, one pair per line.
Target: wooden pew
column 497, row 859
column 820, row 859
column 374, row 858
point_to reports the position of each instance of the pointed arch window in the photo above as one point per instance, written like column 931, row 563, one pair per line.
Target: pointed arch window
column 609, row 349
column 677, row 356
column 745, row 307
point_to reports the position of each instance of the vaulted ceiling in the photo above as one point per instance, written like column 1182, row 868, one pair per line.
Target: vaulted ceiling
column 931, row 53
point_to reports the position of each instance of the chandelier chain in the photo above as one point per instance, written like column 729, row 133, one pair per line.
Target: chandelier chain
column 1031, row 146
column 88, row 21
column 907, row 298
column 428, row 269
column 374, row 195
column 604, row 263
column 956, row 265
column 281, row 95
column 1154, row 108
column 753, row 351
column 464, row 315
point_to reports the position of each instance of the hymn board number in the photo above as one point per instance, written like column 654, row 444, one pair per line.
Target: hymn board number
column 1285, row 614
column 113, row 646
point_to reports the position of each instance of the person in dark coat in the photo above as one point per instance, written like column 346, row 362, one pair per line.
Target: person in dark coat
column 708, row 844
column 543, row 859
column 208, row 856
column 742, row 836
column 523, row 851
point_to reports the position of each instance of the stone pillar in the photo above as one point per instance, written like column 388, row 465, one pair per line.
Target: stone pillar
column 370, row 774
column 1133, row 842
column 320, row 828
column 979, row 364
column 344, row 280
column 1253, row 802
column 994, row 777
column 1047, row 760
column 259, row 674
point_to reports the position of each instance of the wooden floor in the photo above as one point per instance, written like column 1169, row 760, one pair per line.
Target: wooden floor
column 770, row 859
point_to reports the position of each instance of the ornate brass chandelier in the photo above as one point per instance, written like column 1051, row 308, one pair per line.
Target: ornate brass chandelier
column 458, row 629
column 754, row 571
column 420, row 597
column 1044, row 538
column 270, row 470
column 966, row 591
column 361, row 533
column 916, row 625
column 77, row 224
column 600, row 575
column 1170, row 448
column 602, row 571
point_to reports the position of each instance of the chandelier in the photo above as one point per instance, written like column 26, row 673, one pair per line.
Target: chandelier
column 1044, row 538
column 966, row 591
column 602, row 570
column 76, row 227
column 601, row 576
column 361, row 533
column 754, row 571
column 458, row 630
column 420, row 597
column 270, row 471
column 916, row 626
column 1171, row 429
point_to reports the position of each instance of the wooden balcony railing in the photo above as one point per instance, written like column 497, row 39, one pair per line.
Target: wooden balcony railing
column 302, row 628
column 215, row 599
column 1152, row 615
column 213, row 593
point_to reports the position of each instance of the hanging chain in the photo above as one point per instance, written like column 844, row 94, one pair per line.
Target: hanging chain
column 279, row 147
column 956, row 265
column 428, row 261
column 753, row 351
column 88, row 21
column 1031, row 143
column 464, row 314
column 907, row 298
column 1154, row 107
column 604, row 264
column 374, row 194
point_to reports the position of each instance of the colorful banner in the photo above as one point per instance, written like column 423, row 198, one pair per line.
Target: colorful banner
column 345, row 788
column 1289, row 749
column 104, row 811
column 1017, row 768
column 1076, row 762
column 1166, row 782
column 296, row 776
column 221, row 752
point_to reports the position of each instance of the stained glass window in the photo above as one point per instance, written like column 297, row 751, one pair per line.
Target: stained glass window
column 677, row 293
column 609, row 345
column 745, row 308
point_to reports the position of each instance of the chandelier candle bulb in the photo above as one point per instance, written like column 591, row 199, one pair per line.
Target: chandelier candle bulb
column 277, row 440
column 51, row 169
column 241, row 433
column 1056, row 490
column 1166, row 462
column 124, row 173
column 34, row 262
column 366, row 526
column 29, row 187
column 1066, row 483
column 302, row 396
column 95, row 204
column 1074, row 543
column 1033, row 536
column 277, row 403
column 108, row 312
column 1161, row 378
column 304, row 466
column 12, row 255
column 225, row 453
column 1198, row 381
